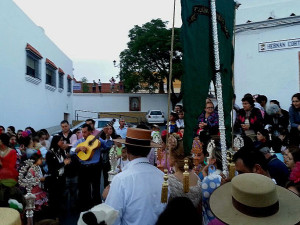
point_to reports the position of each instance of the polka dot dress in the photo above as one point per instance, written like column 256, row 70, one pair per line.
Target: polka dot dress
column 209, row 184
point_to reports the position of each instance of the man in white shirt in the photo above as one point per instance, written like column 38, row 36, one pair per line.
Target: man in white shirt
column 122, row 130
column 136, row 192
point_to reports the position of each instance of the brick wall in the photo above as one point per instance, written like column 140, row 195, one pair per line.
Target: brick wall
column 105, row 88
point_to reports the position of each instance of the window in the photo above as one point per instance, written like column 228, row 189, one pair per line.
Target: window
column 156, row 113
column 61, row 74
column 50, row 73
column 50, row 76
column 69, row 85
column 33, row 58
column 61, row 81
column 32, row 66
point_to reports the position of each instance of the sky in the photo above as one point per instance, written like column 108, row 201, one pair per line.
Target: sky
column 92, row 33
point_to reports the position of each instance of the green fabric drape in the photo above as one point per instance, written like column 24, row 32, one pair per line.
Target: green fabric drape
column 198, row 60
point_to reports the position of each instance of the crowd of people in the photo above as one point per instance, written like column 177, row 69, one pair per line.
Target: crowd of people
column 270, row 137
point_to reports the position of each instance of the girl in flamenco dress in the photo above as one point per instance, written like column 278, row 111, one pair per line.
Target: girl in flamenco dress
column 35, row 170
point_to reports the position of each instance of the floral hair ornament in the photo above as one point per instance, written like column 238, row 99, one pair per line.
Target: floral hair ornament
column 25, row 134
column 295, row 174
column 39, row 152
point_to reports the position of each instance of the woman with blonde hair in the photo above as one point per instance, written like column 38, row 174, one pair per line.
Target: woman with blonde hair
column 176, row 160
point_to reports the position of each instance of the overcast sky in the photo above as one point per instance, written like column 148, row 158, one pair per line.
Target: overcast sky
column 94, row 32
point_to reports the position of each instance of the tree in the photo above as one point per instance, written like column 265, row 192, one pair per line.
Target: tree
column 85, row 86
column 146, row 62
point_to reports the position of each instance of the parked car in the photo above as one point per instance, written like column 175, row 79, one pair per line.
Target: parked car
column 102, row 122
column 99, row 124
column 155, row 116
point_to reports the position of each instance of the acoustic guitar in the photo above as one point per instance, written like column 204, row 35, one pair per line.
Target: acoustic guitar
column 91, row 143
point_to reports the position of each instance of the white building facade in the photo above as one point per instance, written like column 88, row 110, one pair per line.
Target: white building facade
column 36, row 76
column 267, row 49
column 118, row 103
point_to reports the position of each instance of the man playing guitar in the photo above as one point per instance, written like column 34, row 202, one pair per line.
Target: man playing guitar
column 90, row 170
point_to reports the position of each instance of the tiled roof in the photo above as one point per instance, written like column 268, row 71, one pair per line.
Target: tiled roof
column 61, row 71
column 33, row 50
column 49, row 62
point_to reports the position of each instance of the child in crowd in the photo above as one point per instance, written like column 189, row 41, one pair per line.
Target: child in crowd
column 180, row 121
column 40, row 195
column 172, row 122
column 123, row 160
column 117, row 146
column 155, row 130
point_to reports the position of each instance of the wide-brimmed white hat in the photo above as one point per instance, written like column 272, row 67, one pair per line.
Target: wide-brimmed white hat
column 138, row 137
column 254, row 199
column 102, row 212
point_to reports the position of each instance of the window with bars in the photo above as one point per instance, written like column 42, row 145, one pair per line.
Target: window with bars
column 50, row 76
column 32, row 66
column 69, row 85
column 61, row 80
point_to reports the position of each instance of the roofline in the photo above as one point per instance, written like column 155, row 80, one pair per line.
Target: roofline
column 287, row 21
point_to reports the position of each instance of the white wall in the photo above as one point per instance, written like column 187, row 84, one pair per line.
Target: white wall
column 260, row 10
column 24, row 103
column 118, row 102
column 272, row 73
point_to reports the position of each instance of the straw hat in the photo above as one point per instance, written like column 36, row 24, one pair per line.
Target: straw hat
column 138, row 137
column 254, row 199
column 101, row 212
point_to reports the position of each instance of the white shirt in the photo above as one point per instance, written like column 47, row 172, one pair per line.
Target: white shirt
column 180, row 123
column 122, row 132
column 136, row 193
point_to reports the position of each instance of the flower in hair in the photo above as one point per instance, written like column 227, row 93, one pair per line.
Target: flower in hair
column 180, row 134
column 25, row 134
column 295, row 174
column 39, row 152
column 164, row 133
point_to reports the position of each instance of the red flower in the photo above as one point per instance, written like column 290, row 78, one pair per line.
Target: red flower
column 295, row 174
column 164, row 133
column 180, row 134
column 38, row 152
column 24, row 134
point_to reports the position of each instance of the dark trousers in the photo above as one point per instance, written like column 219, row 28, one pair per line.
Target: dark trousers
column 71, row 192
column 89, row 186
column 106, row 168
column 99, row 88
column 56, row 193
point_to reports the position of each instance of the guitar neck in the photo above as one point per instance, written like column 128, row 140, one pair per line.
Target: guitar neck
column 101, row 132
column 97, row 136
